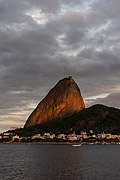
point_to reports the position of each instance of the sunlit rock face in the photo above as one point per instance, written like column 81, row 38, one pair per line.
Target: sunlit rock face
column 62, row 100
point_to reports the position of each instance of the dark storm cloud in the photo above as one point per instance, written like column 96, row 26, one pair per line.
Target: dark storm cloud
column 42, row 41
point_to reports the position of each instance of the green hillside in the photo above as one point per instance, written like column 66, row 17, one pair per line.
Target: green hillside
column 98, row 117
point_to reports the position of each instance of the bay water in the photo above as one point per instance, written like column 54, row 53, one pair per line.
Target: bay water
column 59, row 162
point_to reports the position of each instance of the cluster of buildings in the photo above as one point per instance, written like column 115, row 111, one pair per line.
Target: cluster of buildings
column 10, row 137
column 70, row 137
column 76, row 137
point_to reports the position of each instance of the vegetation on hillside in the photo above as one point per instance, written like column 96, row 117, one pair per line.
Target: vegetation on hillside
column 98, row 117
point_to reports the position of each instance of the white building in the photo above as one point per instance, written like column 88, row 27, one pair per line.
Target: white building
column 46, row 135
column 72, row 137
column 108, row 136
column 115, row 136
column 6, row 135
column 15, row 137
column 26, row 138
column 102, row 135
column 94, row 136
column 79, row 137
column 52, row 136
column 37, row 136
column 61, row 136
column 84, row 135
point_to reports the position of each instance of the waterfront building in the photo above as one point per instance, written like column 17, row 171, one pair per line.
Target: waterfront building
column 26, row 138
column 115, row 136
column 102, row 135
column 15, row 137
column 79, row 136
column 94, row 136
column 108, row 136
column 61, row 136
column 84, row 135
column 46, row 135
column 6, row 135
column 52, row 136
column 37, row 136
column 72, row 137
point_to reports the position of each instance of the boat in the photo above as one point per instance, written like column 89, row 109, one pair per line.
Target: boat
column 76, row 145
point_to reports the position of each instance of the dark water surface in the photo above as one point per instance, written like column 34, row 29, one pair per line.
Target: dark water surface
column 59, row 162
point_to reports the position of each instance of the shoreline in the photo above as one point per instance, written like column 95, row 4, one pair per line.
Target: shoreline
column 59, row 143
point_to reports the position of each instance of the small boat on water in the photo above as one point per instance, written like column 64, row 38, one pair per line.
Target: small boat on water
column 76, row 145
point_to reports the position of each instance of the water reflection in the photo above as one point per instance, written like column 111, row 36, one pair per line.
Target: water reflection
column 59, row 162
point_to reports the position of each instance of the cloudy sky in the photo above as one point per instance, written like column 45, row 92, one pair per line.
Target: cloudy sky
column 42, row 41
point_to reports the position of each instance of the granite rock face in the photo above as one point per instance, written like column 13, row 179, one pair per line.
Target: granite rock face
column 61, row 101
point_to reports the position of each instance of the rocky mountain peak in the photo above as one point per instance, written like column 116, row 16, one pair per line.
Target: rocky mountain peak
column 62, row 100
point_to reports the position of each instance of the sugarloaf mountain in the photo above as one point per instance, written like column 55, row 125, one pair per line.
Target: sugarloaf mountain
column 62, row 100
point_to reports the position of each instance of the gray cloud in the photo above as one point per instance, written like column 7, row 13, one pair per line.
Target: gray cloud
column 44, row 41
column 112, row 100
